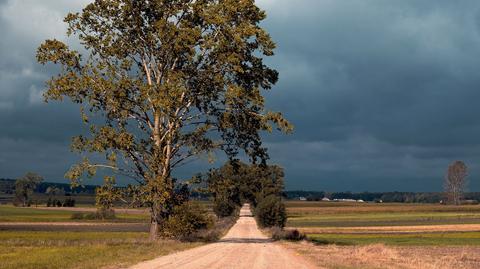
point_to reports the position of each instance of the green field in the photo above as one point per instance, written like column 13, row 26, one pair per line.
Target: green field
column 310, row 215
column 79, row 249
column 423, row 239
column 333, row 214
column 31, row 214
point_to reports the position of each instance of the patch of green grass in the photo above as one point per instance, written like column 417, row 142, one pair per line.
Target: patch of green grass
column 30, row 214
column 382, row 219
column 80, row 249
column 431, row 239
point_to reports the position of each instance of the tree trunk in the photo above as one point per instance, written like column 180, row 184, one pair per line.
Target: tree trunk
column 153, row 230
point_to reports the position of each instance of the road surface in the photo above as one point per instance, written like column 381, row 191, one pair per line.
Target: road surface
column 244, row 247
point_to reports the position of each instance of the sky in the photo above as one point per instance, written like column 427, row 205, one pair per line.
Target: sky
column 383, row 94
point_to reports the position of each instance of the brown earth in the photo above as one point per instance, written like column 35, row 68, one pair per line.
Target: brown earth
column 394, row 229
column 244, row 247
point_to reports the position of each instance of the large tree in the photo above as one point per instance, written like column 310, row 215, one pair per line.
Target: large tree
column 172, row 79
column 455, row 181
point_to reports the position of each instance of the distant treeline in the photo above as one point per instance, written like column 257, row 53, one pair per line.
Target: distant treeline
column 388, row 197
column 7, row 186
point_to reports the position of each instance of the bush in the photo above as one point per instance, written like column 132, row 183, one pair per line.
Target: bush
column 69, row 202
column 77, row 215
column 105, row 213
column 281, row 234
column 270, row 212
column 100, row 214
column 185, row 220
column 223, row 208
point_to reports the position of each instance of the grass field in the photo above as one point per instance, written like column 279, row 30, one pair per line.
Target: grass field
column 427, row 239
column 332, row 214
column 333, row 219
column 80, row 249
column 18, row 214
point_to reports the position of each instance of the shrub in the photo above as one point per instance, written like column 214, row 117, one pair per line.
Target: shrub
column 281, row 234
column 223, row 208
column 77, row 215
column 270, row 212
column 100, row 214
column 69, row 202
column 105, row 213
column 219, row 229
column 186, row 219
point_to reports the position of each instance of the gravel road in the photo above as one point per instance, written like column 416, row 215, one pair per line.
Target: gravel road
column 244, row 247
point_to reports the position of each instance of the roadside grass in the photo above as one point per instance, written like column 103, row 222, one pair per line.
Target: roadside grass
column 31, row 250
column 31, row 214
column 422, row 239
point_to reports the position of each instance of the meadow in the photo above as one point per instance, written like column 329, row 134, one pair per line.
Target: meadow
column 9, row 213
column 392, row 224
column 35, row 250
column 50, row 238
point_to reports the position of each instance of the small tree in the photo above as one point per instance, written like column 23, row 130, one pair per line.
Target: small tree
column 25, row 186
column 455, row 181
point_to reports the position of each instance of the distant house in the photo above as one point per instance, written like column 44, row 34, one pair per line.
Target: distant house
column 301, row 198
column 325, row 199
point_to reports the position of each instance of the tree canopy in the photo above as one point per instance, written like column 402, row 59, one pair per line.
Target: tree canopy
column 25, row 186
column 173, row 79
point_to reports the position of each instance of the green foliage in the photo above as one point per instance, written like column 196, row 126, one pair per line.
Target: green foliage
column 25, row 186
column 236, row 182
column 69, row 202
column 173, row 80
column 107, row 194
column 223, row 207
column 270, row 212
column 185, row 220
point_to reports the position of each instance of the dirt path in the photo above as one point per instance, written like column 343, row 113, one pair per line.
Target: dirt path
column 244, row 247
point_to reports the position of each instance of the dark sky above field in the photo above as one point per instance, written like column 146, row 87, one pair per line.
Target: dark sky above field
column 383, row 94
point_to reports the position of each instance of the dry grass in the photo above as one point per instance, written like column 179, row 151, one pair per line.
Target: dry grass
column 381, row 256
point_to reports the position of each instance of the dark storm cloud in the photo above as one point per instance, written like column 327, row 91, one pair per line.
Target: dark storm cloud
column 387, row 87
column 383, row 94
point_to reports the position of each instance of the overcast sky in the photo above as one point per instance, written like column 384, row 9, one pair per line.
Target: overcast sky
column 383, row 94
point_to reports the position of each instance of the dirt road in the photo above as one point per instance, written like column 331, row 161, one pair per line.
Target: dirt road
column 244, row 247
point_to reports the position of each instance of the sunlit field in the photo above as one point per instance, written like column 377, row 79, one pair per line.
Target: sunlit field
column 396, row 224
column 33, row 250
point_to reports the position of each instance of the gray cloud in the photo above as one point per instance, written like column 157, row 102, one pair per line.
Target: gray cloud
column 382, row 93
